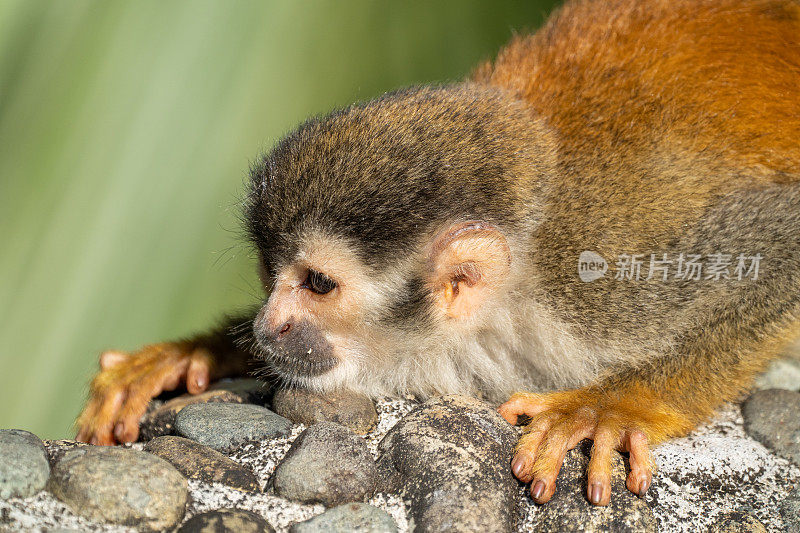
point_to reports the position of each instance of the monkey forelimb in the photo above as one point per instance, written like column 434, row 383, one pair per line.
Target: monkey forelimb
column 120, row 392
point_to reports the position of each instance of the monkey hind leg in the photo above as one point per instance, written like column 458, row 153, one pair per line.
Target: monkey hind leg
column 626, row 419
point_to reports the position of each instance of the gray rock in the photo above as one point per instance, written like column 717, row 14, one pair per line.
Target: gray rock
column 24, row 468
column 781, row 374
column 450, row 457
column 790, row 510
column 160, row 419
column 772, row 417
column 349, row 409
column 348, row 518
column 223, row 426
column 737, row 522
column 569, row 510
column 196, row 461
column 329, row 464
column 221, row 520
column 122, row 486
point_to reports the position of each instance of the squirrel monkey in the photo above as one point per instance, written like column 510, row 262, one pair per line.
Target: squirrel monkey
column 433, row 240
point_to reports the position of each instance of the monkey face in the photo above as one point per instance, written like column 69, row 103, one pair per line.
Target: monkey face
column 306, row 329
column 385, row 233
column 332, row 321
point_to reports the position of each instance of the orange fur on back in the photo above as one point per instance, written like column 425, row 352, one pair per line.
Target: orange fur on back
column 721, row 76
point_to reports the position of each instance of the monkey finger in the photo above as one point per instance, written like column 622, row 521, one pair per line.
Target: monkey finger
column 165, row 377
column 111, row 358
column 126, row 428
column 522, row 403
column 559, row 440
column 83, row 423
column 598, row 487
column 641, row 461
column 528, row 446
column 103, row 423
column 546, row 469
column 199, row 374
column 564, row 436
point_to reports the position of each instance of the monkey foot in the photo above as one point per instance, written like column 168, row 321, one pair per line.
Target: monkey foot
column 126, row 383
column 559, row 421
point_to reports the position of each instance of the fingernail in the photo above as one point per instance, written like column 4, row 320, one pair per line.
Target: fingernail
column 538, row 489
column 643, row 486
column 119, row 431
column 518, row 465
column 201, row 382
column 595, row 493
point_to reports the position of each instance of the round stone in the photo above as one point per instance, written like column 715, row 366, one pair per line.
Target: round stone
column 237, row 520
column 772, row 417
column 160, row 419
column 348, row 518
column 450, row 458
column 349, row 409
column 196, row 461
column 24, row 468
column 326, row 464
column 122, row 486
column 224, row 426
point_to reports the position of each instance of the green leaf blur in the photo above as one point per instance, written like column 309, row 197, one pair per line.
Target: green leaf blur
column 126, row 130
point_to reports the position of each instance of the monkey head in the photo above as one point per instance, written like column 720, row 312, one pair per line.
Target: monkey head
column 391, row 236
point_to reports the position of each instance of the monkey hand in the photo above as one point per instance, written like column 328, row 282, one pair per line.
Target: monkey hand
column 614, row 421
column 126, row 383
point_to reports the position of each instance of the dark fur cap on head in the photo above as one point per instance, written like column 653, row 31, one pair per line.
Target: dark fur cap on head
column 385, row 172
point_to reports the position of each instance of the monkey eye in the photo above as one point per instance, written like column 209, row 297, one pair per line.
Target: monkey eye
column 318, row 283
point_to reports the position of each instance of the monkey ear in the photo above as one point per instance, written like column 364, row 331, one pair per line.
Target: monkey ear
column 469, row 261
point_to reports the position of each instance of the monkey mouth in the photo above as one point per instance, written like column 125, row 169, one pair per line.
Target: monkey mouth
column 293, row 365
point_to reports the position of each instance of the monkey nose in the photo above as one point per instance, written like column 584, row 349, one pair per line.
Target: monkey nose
column 283, row 330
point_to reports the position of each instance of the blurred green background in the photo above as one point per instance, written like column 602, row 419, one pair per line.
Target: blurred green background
column 126, row 130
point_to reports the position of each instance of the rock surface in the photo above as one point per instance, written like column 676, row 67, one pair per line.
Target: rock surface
column 327, row 464
column 451, row 457
column 790, row 510
column 569, row 511
column 349, row 409
column 348, row 518
column 120, row 486
column 738, row 522
column 223, row 426
column 160, row 420
column 772, row 417
column 222, row 520
column 701, row 480
column 716, row 469
column 24, row 467
column 196, row 461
